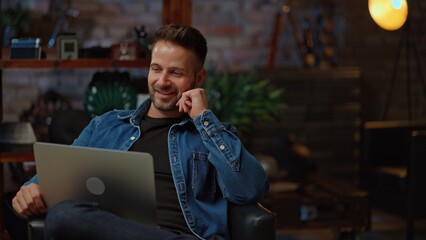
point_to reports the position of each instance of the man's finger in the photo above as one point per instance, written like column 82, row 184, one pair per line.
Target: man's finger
column 22, row 207
column 16, row 206
column 39, row 205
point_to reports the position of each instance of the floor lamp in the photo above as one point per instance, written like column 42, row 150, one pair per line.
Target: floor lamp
column 392, row 15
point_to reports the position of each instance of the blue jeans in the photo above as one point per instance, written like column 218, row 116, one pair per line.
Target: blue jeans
column 85, row 220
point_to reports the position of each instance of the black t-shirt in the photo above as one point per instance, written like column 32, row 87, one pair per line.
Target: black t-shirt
column 154, row 141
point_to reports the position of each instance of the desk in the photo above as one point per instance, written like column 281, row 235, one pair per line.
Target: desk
column 9, row 157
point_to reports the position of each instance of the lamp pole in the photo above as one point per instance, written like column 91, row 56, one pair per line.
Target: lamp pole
column 408, row 44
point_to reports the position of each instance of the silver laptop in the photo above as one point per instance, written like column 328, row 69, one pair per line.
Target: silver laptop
column 121, row 182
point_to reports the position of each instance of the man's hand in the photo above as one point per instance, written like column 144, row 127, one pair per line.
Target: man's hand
column 28, row 201
column 194, row 102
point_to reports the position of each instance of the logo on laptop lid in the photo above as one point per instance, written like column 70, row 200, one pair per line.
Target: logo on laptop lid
column 95, row 186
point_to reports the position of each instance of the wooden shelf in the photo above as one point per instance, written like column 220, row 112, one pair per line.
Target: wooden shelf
column 10, row 157
column 80, row 63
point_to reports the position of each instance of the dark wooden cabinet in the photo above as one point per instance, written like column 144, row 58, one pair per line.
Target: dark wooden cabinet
column 323, row 113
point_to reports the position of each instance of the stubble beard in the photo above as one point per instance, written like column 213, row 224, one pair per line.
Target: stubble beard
column 163, row 105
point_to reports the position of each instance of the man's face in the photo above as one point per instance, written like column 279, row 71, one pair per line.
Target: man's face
column 173, row 70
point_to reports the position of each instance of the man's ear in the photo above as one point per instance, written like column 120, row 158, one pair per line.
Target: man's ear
column 201, row 76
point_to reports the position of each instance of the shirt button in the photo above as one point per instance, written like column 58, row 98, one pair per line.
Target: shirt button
column 132, row 138
column 205, row 123
column 222, row 147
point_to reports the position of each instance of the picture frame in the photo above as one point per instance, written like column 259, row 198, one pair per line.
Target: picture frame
column 67, row 47
column 125, row 51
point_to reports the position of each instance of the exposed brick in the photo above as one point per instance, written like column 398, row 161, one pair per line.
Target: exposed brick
column 219, row 43
column 87, row 8
column 135, row 8
column 229, row 30
column 114, row 10
column 231, row 27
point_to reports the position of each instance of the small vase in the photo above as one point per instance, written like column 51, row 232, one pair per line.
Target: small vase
column 8, row 34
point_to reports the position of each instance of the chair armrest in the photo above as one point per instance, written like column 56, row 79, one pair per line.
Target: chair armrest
column 252, row 222
column 35, row 229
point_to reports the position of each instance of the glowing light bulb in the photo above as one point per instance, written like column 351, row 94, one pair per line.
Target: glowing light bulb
column 388, row 14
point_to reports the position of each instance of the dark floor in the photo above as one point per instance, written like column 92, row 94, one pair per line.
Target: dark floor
column 385, row 226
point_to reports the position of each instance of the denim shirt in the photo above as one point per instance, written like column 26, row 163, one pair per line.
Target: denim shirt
column 210, row 166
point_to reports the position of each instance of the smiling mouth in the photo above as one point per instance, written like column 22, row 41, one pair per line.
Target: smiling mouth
column 165, row 93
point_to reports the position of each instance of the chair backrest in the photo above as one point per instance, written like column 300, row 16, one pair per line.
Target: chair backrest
column 67, row 124
column 388, row 142
column 417, row 167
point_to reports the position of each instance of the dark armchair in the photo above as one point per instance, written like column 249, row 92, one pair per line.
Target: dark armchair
column 248, row 222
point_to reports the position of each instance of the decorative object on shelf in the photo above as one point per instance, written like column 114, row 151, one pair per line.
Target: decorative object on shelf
column 16, row 136
column 25, row 48
column 108, row 91
column 94, row 52
column 243, row 98
column 144, row 41
column 125, row 51
column 15, row 21
column 68, row 46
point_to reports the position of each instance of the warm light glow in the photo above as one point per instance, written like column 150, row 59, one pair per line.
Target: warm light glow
column 388, row 14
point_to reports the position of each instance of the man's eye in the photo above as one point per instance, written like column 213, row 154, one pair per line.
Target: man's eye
column 177, row 73
column 155, row 69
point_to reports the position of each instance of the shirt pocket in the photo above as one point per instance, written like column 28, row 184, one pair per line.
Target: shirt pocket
column 203, row 175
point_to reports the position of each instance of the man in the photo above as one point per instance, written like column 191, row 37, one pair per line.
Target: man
column 200, row 163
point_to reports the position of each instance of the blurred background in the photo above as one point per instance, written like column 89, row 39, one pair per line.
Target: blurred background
column 322, row 74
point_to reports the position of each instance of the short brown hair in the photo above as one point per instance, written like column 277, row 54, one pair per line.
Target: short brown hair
column 185, row 36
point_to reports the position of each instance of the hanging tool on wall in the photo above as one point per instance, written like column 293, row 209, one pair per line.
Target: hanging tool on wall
column 278, row 25
column 62, row 11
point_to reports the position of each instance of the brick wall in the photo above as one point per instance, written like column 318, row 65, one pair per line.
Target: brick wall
column 238, row 32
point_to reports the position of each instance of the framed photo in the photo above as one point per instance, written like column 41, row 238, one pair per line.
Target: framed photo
column 67, row 47
column 125, row 51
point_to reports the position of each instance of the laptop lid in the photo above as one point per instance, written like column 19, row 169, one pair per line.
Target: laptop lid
column 120, row 182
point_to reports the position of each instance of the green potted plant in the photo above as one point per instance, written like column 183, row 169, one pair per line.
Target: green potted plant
column 243, row 99
column 14, row 22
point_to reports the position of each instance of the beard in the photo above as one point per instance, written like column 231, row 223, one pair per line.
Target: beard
column 166, row 105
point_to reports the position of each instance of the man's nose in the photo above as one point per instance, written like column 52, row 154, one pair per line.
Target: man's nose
column 163, row 78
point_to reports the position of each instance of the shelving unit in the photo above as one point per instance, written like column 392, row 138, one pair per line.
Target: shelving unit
column 177, row 11
column 81, row 63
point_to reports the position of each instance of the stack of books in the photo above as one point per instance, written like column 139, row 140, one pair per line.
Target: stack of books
column 29, row 48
